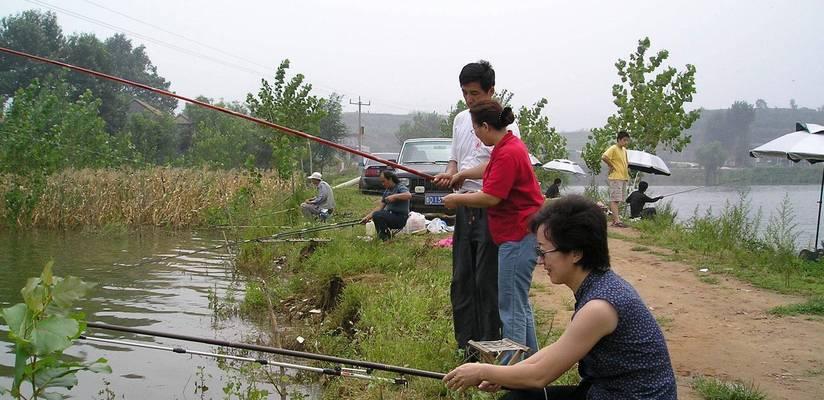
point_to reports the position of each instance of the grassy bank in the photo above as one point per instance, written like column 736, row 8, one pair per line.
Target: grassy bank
column 732, row 243
column 168, row 197
column 382, row 302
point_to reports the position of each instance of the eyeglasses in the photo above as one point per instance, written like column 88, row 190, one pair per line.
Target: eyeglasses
column 542, row 253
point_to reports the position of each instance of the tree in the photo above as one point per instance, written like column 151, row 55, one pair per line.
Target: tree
column 422, row 125
column 739, row 119
column 542, row 140
column 222, row 140
column 761, row 104
column 154, row 137
column 116, row 56
column 711, row 156
column 45, row 131
column 332, row 128
column 38, row 33
column 650, row 109
column 288, row 104
column 447, row 123
column 134, row 64
column 33, row 32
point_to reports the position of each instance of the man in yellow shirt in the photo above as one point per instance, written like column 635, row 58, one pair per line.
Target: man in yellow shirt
column 616, row 159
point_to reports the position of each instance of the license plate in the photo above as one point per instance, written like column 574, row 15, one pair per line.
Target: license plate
column 433, row 200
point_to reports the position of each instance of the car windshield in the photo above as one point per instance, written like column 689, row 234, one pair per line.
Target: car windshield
column 426, row 152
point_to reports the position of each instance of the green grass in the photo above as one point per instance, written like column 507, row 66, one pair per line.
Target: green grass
column 664, row 322
column 394, row 307
column 733, row 242
column 639, row 248
column 708, row 279
column 813, row 306
column 716, row 389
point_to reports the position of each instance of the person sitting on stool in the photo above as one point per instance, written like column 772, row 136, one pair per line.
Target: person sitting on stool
column 320, row 206
column 393, row 207
column 637, row 199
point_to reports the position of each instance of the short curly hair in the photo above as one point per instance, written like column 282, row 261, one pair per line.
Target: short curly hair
column 575, row 223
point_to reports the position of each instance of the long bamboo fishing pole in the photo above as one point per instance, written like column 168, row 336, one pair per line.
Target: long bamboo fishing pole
column 272, row 350
column 344, row 372
column 166, row 93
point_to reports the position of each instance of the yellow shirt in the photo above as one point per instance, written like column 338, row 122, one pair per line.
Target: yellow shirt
column 617, row 156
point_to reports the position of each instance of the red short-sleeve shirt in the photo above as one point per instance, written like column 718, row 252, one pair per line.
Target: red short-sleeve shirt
column 509, row 177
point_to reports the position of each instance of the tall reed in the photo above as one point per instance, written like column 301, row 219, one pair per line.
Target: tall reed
column 159, row 196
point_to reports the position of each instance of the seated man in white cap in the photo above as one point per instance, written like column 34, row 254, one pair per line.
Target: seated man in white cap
column 322, row 205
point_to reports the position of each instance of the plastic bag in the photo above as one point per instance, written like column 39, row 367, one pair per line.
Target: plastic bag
column 415, row 223
column 437, row 225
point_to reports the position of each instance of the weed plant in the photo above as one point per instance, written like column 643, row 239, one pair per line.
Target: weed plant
column 171, row 197
column 716, row 389
column 732, row 243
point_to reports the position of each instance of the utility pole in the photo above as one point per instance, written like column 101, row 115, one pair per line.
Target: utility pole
column 360, row 127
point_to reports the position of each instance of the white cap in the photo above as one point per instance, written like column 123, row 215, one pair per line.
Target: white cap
column 315, row 175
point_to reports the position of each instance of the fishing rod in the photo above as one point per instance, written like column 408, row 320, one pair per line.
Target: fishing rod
column 166, row 93
column 272, row 350
column 261, row 239
column 701, row 187
column 337, row 371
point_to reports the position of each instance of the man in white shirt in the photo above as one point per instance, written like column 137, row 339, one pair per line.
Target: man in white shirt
column 474, row 288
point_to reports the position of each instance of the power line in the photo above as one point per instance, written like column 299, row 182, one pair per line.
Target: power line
column 147, row 38
column 256, row 72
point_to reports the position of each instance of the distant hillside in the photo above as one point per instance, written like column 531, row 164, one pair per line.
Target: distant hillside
column 769, row 123
column 379, row 129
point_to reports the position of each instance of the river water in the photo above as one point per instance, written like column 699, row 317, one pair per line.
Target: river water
column 171, row 296
column 803, row 199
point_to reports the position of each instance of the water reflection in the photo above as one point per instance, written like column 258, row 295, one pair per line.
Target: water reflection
column 171, row 296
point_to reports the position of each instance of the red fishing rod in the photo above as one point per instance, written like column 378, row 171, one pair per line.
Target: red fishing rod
column 281, row 128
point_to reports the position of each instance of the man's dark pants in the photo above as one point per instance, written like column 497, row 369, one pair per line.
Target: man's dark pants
column 474, row 289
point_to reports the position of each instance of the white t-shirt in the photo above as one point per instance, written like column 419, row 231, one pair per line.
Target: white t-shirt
column 468, row 151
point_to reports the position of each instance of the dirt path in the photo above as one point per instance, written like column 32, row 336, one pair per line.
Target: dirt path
column 720, row 330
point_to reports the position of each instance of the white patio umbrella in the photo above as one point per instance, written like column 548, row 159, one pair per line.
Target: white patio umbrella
column 806, row 143
column 564, row 166
column 646, row 162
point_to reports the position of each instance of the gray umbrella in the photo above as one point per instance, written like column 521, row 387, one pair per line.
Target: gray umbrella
column 806, row 143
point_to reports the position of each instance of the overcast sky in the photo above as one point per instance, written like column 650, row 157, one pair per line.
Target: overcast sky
column 405, row 56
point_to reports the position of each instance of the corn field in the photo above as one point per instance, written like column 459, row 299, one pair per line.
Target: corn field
column 173, row 197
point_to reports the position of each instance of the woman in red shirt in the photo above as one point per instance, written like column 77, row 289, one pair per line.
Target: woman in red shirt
column 512, row 194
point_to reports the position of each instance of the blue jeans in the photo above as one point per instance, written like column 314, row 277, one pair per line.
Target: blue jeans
column 516, row 261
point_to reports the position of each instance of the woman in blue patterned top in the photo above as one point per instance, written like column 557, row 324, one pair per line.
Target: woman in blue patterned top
column 619, row 348
column 393, row 207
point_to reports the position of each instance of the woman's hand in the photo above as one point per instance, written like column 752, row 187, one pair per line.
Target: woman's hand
column 465, row 376
column 487, row 386
column 366, row 219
